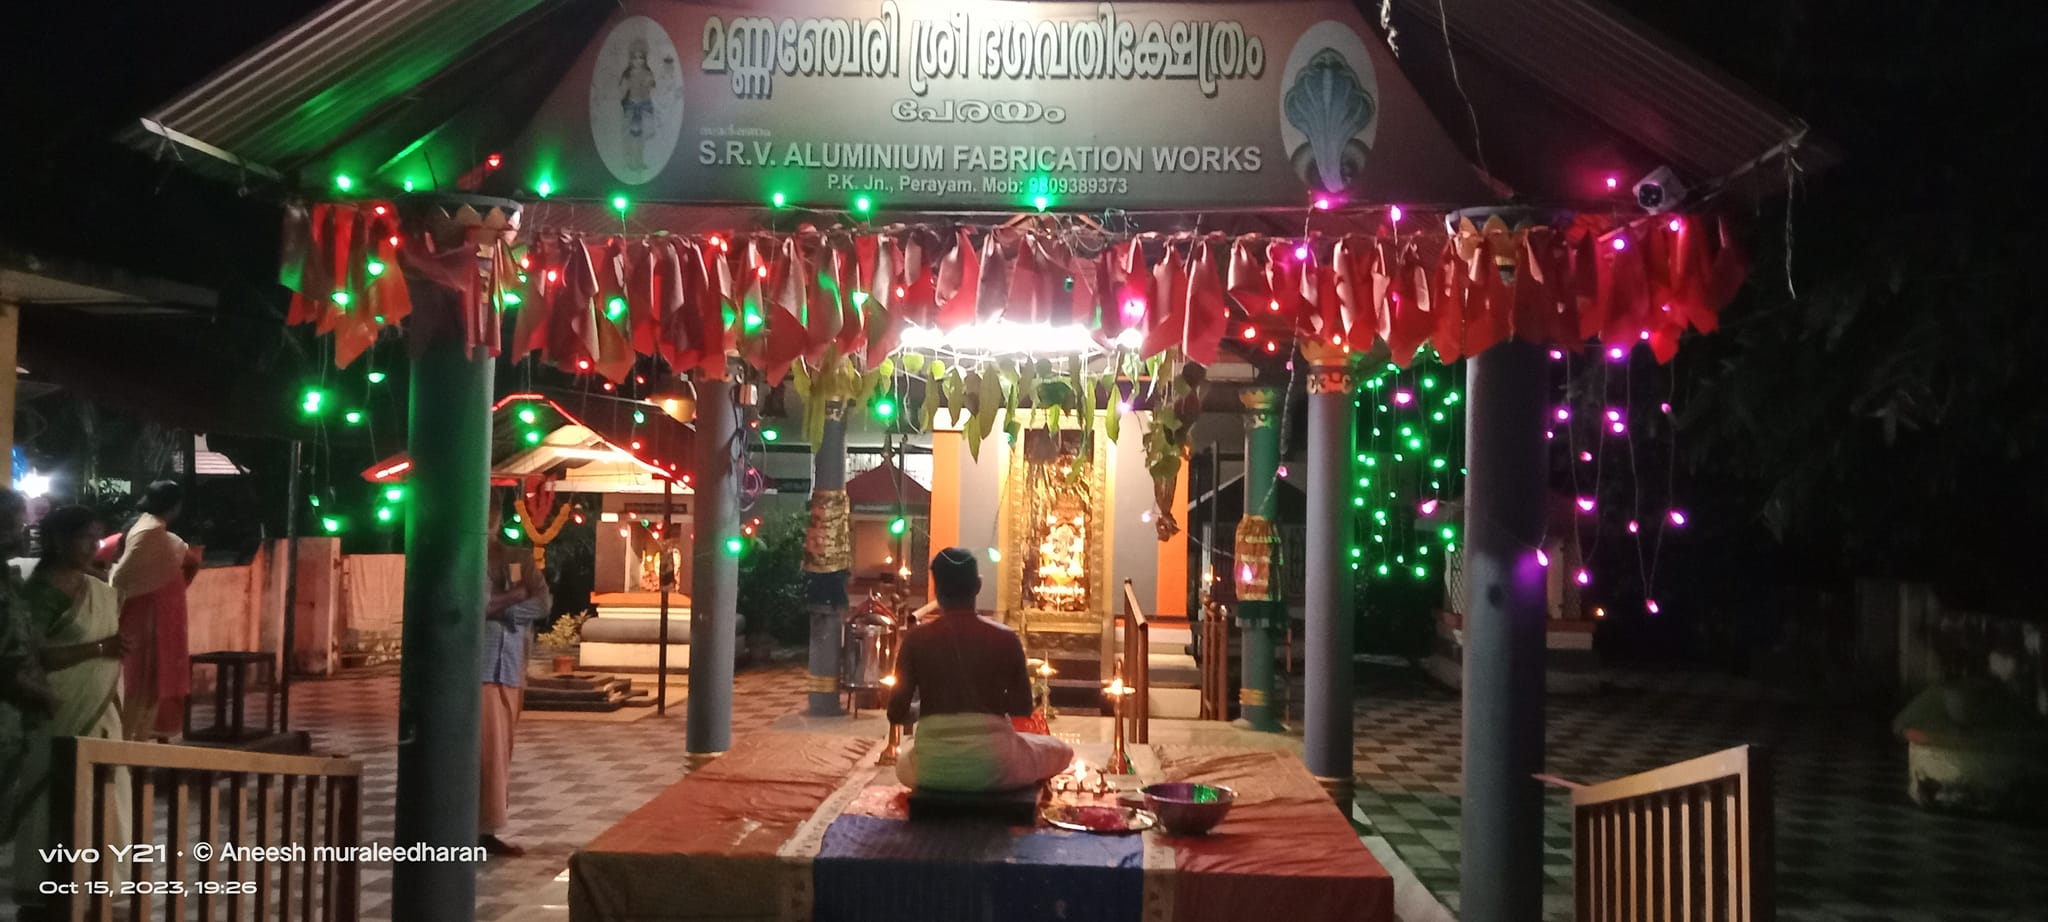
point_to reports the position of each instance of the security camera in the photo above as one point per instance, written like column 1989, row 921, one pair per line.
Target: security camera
column 1660, row 191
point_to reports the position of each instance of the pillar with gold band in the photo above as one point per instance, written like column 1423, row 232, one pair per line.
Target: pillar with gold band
column 1261, row 609
column 1326, row 594
column 828, row 561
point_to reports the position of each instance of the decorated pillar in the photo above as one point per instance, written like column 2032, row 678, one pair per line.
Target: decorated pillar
column 1261, row 611
column 1327, row 596
column 714, row 580
column 449, row 439
column 1504, row 518
column 828, row 560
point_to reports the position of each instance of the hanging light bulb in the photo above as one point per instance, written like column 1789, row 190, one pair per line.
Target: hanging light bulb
column 1678, row 518
column 1585, row 504
column 1651, row 605
column 1563, row 414
column 1428, row 506
column 1582, row 577
column 1542, row 559
column 1634, row 527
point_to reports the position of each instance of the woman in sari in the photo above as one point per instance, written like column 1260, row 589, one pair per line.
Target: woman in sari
column 74, row 623
column 151, row 575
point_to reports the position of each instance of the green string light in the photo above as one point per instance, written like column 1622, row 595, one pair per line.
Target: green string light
column 330, row 524
column 898, row 525
column 885, row 408
column 375, row 268
column 343, row 182
column 353, row 417
column 620, row 203
column 527, row 416
column 533, row 438
column 384, row 513
column 615, row 307
column 394, row 494
column 778, row 200
column 375, row 377
column 512, row 299
column 733, row 546
column 639, row 418
column 544, row 188
column 342, row 298
column 770, row 435
column 312, row 402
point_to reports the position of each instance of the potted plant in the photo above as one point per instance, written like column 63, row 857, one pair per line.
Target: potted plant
column 560, row 641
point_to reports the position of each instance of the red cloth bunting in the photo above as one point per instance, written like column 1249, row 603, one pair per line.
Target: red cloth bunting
column 688, row 300
column 1207, row 313
column 959, row 283
column 1166, row 313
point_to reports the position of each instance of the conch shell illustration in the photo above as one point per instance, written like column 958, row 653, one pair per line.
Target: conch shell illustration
column 1330, row 106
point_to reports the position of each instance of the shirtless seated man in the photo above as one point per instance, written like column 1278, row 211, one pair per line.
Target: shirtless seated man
column 968, row 673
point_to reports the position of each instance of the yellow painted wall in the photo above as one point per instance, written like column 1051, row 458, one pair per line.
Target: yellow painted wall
column 1171, row 590
column 945, row 515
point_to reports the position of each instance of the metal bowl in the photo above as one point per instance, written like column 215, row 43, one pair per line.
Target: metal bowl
column 1185, row 808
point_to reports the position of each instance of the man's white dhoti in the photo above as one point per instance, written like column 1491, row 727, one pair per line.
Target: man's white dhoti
column 978, row 752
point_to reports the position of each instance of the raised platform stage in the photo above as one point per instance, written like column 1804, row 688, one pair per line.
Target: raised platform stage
column 793, row 826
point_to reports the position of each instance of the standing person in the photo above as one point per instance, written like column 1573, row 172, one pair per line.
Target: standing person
column 518, row 598
column 75, row 622
column 151, row 576
column 24, row 691
column 968, row 675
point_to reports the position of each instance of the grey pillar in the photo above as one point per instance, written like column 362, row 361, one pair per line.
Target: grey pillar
column 1502, row 838
column 1327, row 596
column 825, row 590
column 714, row 579
column 1265, row 617
column 439, row 695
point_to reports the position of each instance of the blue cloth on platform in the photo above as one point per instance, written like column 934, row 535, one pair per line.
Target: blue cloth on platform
column 871, row 869
column 504, row 647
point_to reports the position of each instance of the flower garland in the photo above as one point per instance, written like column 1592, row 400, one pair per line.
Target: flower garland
column 541, row 537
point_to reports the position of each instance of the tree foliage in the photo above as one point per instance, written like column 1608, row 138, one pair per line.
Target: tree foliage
column 1891, row 416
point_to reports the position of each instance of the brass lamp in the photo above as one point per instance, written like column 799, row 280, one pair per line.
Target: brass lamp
column 1119, row 760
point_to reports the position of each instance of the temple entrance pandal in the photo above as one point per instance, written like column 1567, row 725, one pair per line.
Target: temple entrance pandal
column 1053, row 582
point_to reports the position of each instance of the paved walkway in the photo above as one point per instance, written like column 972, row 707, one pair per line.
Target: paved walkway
column 1850, row 847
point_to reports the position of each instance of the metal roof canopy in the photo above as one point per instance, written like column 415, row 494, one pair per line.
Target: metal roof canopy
column 596, row 449
column 1564, row 92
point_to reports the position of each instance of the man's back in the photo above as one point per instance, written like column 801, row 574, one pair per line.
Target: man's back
column 960, row 663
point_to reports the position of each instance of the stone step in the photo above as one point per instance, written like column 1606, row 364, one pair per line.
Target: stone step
column 1176, row 703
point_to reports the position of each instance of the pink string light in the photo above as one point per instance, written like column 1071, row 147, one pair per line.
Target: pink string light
column 1651, row 605
column 1563, row 414
column 1585, row 504
column 1542, row 559
column 1678, row 518
column 1582, row 577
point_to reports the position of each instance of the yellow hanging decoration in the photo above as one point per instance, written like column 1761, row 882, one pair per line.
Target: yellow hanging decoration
column 541, row 537
column 1255, row 542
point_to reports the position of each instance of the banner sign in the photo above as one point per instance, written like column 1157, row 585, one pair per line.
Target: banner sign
column 942, row 104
